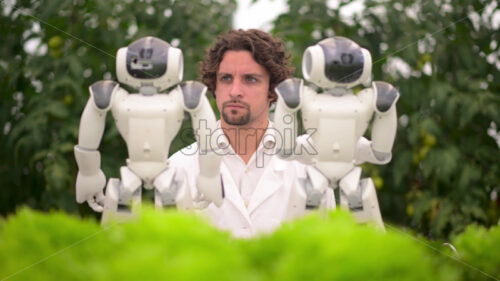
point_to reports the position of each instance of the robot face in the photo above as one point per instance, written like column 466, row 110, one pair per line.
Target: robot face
column 343, row 60
column 149, row 61
column 336, row 62
column 147, row 58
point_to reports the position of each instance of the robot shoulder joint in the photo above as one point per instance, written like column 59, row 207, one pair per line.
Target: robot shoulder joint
column 290, row 91
column 385, row 96
column 192, row 92
column 101, row 93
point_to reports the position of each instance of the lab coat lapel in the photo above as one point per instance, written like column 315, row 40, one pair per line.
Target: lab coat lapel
column 232, row 194
column 270, row 182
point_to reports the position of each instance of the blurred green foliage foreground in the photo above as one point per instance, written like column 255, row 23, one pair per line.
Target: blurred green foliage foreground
column 178, row 246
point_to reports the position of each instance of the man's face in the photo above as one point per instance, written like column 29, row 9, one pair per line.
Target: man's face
column 242, row 90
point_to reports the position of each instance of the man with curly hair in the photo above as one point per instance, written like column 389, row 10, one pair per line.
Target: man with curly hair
column 241, row 69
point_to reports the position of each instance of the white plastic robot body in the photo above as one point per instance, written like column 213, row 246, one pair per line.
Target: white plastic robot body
column 148, row 124
column 148, row 121
column 337, row 121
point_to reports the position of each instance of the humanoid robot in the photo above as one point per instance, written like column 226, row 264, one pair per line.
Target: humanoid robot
column 148, row 121
column 338, row 119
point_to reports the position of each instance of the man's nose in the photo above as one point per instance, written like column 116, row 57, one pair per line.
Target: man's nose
column 236, row 88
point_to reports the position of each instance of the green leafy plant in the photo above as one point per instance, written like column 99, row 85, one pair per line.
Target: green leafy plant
column 173, row 246
column 181, row 246
column 479, row 250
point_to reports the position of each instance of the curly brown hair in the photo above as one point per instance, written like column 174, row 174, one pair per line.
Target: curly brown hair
column 266, row 51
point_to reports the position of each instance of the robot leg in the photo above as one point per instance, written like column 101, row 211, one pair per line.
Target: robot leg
column 123, row 197
column 360, row 197
column 307, row 194
column 172, row 192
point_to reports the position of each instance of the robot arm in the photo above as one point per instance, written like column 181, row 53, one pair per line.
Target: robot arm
column 290, row 96
column 378, row 150
column 385, row 122
column 209, row 182
column 90, row 180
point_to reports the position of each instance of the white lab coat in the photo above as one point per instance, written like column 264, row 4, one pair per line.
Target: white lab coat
column 268, row 204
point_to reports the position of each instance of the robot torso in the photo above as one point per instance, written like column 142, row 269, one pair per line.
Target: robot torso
column 338, row 121
column 148, row 124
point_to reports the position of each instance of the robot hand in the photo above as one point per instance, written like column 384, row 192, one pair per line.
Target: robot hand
column 90, row 188
column 211, row 189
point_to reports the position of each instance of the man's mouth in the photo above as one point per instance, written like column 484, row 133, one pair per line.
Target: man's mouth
column 235, row 105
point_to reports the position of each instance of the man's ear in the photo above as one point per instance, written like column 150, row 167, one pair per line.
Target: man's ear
column 272, row 97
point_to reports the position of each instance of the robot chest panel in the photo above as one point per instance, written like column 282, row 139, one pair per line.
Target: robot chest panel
column 337, row 123
column 325, row 107
column 158, row 106
column 148, row 125
column 345, row 107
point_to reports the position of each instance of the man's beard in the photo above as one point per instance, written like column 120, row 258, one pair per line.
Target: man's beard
column 232, row 118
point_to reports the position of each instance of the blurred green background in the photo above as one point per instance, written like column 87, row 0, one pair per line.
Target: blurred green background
column 443, row 56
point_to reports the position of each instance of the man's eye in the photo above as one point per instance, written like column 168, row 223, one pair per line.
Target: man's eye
column 225, row 78
column 251, row 79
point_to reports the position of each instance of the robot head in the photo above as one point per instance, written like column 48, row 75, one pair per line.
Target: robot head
column 336, row 62
column 149, row 61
